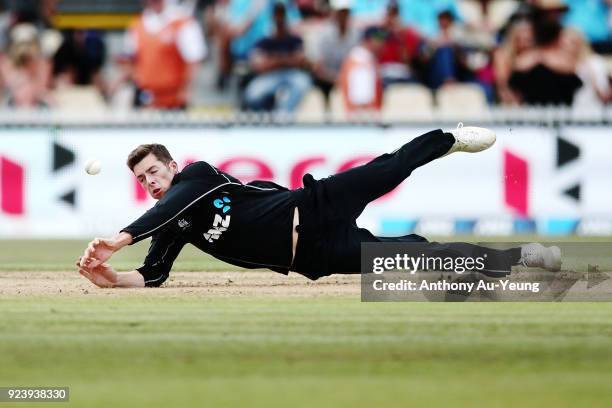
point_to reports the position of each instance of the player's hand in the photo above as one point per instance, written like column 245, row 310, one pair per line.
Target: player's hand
column 98, row 251
column 103, row 275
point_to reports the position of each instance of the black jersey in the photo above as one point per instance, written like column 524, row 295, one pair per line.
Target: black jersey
column 249, row 225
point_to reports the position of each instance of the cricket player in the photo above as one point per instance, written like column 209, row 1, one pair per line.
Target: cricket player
column 310, row 230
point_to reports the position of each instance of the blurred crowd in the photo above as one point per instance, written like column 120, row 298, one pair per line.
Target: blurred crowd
column 272, row 53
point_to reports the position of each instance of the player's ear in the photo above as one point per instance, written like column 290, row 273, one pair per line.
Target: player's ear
column 174, row 166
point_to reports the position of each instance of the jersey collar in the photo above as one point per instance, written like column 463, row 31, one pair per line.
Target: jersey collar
column 176, row 179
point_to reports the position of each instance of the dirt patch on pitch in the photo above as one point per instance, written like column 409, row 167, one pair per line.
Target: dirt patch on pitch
column 180, row 284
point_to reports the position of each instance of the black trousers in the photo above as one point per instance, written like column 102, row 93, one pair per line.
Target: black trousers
column 329, row 238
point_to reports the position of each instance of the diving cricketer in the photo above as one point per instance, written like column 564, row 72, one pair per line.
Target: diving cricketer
column 310, row 230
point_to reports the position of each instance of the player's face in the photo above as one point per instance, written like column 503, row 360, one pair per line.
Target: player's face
column 155, row 176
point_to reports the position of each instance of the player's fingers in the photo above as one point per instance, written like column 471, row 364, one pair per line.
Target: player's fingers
column 85, row 274
column 84, row 260
column 93, row 263
column 89, row 252
column 94, row 243
column 87, row 262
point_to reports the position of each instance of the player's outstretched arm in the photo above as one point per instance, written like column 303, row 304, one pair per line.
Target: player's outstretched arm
column 101, row 249
column 104, row 276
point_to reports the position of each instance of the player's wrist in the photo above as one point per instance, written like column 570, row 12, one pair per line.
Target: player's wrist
column 133, row 279
column 120, row 240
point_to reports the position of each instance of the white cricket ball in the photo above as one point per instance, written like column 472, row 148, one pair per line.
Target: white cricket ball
column 93, row 166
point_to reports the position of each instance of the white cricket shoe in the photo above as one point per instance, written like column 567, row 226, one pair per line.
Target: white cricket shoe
column 471, row 139
column 536, row 255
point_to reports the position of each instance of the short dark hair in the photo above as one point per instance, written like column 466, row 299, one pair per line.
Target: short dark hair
column 279, row 7
column 375, row 33
column 142, row 151
column 447, row 14
column 393, row 7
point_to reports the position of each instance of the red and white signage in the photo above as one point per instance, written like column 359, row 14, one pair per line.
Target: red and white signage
column 531, row 172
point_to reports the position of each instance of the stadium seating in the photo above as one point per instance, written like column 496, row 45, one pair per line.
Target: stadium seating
column 457, row 101
column 312, row 107
column 408, row 102
column 79, row 99
column 336, row 105
column 405, row 102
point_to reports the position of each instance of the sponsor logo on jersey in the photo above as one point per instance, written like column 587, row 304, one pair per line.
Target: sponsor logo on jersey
column 223, row 204
column 183, row 224
column 221, row 221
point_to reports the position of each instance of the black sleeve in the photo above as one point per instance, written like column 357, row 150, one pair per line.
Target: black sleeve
column 198, row 180
column 164, row 249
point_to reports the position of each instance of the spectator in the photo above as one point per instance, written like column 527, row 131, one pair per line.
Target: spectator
column 401, row 50
column 222, row 32
column 5, row 23
column 25, row 72
column 257, row 17
column 79, row 59
column 218, row 32
column 311, row 9
column 279, row 65
column 334, row 43
column 546, row 75
column 360, row 81
column 523, row 11
column 165, row 47
column 36, row 12
column 445, row 56
column 518, row 40
column 591, row 70
column 423, row 14
column 591, row 18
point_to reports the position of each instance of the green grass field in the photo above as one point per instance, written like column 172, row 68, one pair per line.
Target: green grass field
column 136, row 350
